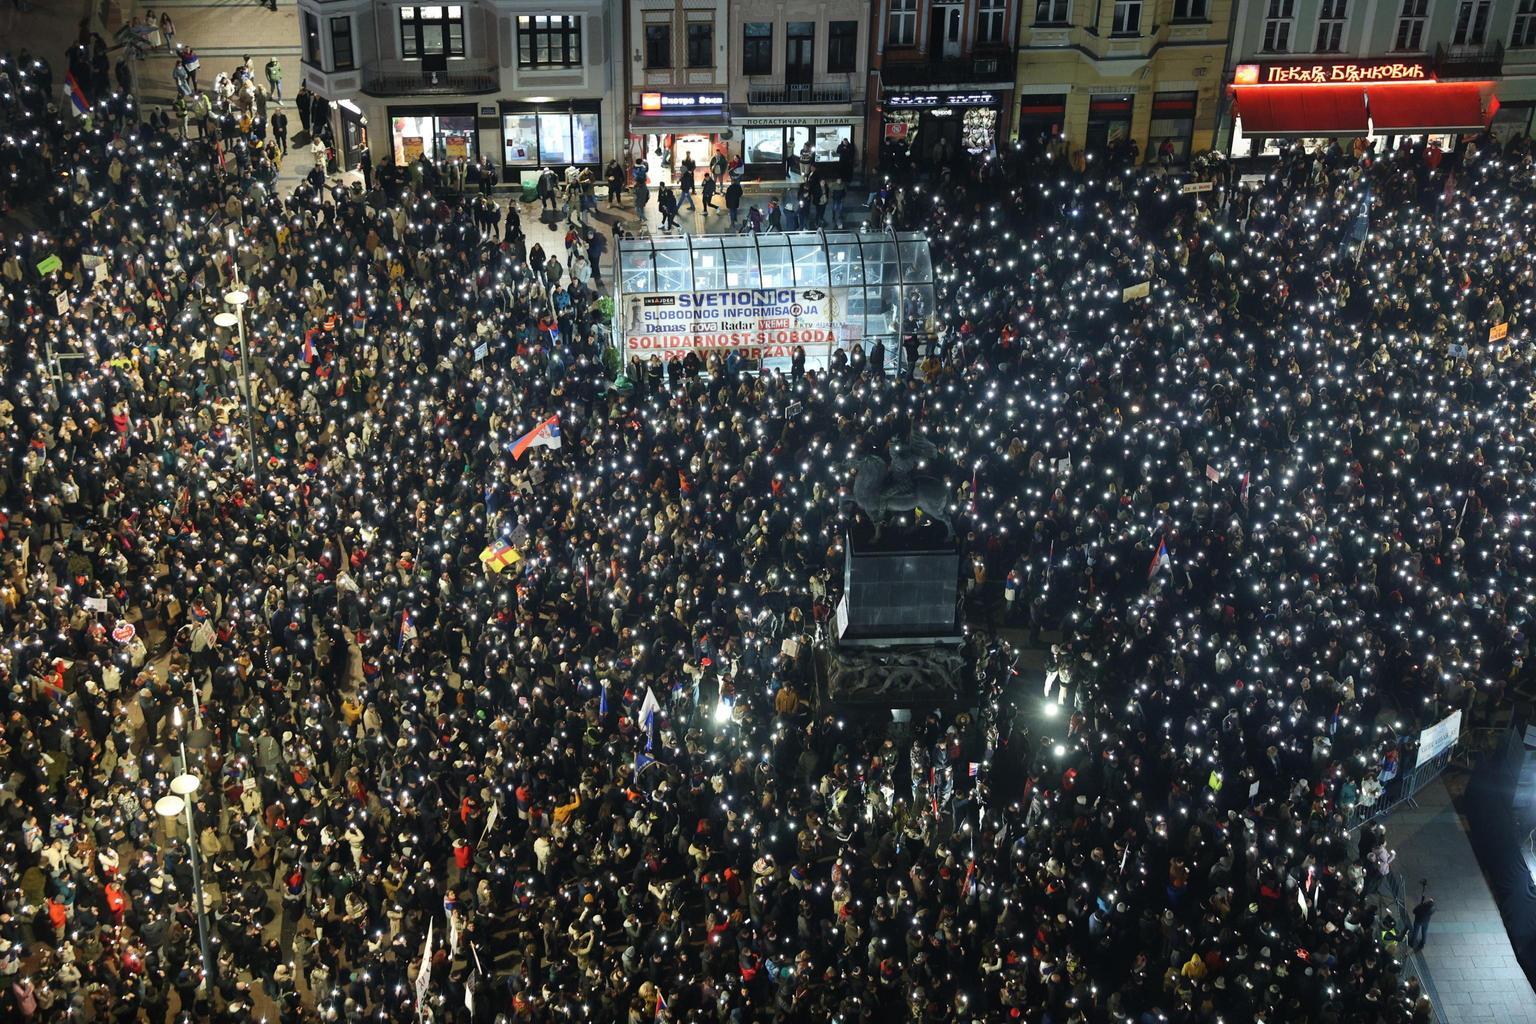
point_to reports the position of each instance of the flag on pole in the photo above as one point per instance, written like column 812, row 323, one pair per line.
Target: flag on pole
column 424, row 972
column 76, row 94
column 546, row 434
column 648, row 708
column 407, row 628
column 1160, row 560
column 661, row 1007
column 499, row 555
column 309, row 345
column 970, row 879
column 602, row 699
column 1242, row 493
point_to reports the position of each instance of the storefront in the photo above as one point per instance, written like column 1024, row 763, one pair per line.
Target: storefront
column 558, row 135
column 439, row 133
column 669, row 127
column 1173, row 122
column 1042, row 118
column 1109, row 121
column 1316, row 102
column 766, row 142
column 958, row 120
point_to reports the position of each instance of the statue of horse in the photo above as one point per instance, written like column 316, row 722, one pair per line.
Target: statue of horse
column 879, row 493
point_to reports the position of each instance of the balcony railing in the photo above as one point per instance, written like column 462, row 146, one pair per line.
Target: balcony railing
column 982, row 67
column 780, row 92
column 463, row 78
column 1480, row 61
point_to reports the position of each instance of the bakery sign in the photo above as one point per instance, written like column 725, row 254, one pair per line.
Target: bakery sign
column 1337, row 72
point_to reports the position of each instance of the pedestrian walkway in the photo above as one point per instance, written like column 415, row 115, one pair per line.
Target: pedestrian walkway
column 1468, row 958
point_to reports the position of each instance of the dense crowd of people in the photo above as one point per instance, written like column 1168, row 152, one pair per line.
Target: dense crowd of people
column 484, row 730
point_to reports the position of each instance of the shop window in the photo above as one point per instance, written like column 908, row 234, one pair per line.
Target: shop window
column 434, row 30
column 341, row 44
column 1191, row 10
column 1053, row 12
column 1127, row 18
column 1471, row 23
column 701, row 44
column 901, row 27
column 978, row 128
column 763, row 145
column 1277, row 26
column 549, row 41
column 989, row 21
column 312, row 40
column 658, row 46
column 1525, row 25
column 1173, row 122
column 520, row 140
column 828, row 138
column 757, row 48
column 842, row 44
column 1410, row 26
column 1331, row 17
column 436, row 138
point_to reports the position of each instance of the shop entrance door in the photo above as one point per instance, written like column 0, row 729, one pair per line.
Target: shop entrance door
column 697, row 146
column 937, row 128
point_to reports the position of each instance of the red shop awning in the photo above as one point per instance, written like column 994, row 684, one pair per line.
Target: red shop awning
column 1301, row 110
column 1428, row 107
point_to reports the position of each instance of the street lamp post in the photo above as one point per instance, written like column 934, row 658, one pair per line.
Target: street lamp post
column 236, row 299
column 176, row 804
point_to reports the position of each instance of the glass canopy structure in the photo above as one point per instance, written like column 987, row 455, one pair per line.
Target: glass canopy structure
column 764, row 295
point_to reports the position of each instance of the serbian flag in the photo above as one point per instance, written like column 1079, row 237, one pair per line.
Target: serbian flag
column 546, row 434
column 76, row 94
column 661, row 1006
column 309, row 344
column 1242, row 493
column 407, row 628
column 499, row 555
column 1160, row 560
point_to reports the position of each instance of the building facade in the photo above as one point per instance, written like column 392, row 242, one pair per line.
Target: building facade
column 798, row 76
column 1095, row 75
column 1320, row 69
column 677, row 54
column 942, row 74
column 525, row 84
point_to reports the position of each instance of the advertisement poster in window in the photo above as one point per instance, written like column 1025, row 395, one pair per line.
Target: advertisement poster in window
column 456, row 147
column 411, row 148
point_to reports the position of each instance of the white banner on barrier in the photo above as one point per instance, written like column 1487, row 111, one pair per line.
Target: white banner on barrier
column 758, row 322
column 1438, row 738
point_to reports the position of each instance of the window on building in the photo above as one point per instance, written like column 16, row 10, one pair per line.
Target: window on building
column 432, row 30
column 757, row 48
column 1410, row 25
column 312, row 40
column 842, row 46
column 658, row 46
column 341, row 44
column 701, row 44
column 1053, row 12
column 902, row 27
column 1127, row 18
column 1277, row 25
column 1331, row 17
column 1471, row 23
column 1191, row 10
column 549, row 41
column 989, row 21
column 1525, row 24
